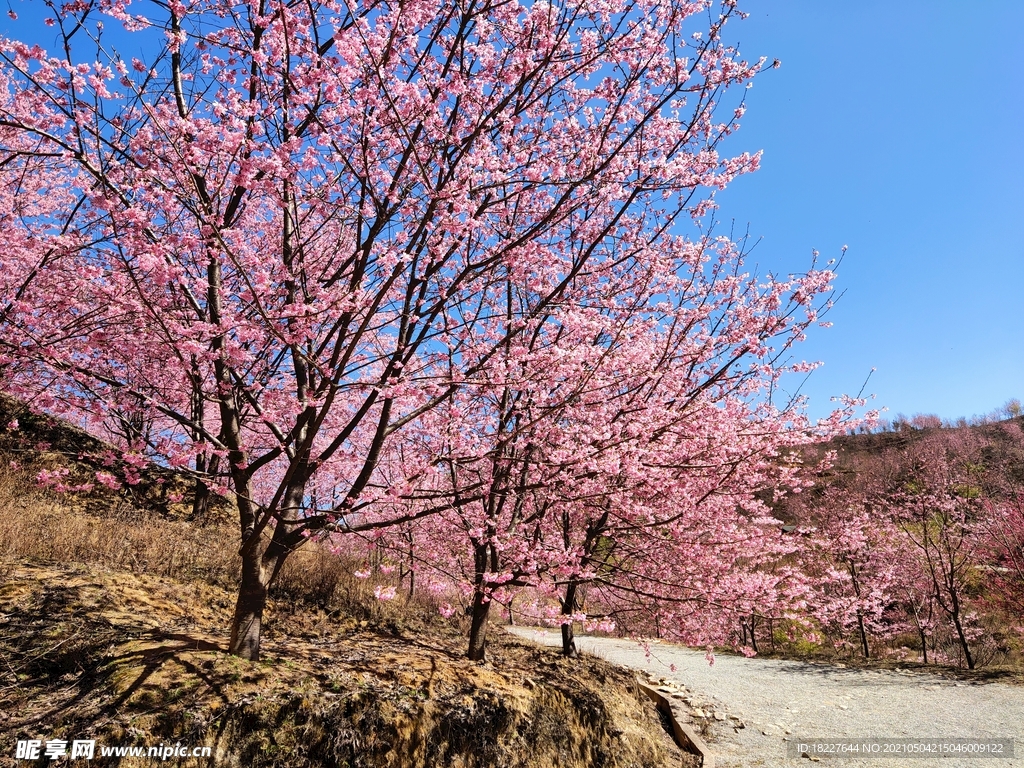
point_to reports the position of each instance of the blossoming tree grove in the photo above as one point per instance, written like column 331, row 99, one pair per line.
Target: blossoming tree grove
column 374, row 264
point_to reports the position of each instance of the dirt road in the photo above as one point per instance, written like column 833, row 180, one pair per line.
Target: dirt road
column 778, row 702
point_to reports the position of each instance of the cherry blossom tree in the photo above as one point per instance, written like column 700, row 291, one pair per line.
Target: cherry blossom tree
column 304, row 244
column 854, row 558
column 656, row 456
column 940, row 523
column 673, row 540
column 1003, row 524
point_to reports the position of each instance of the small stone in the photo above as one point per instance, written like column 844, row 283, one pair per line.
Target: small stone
column 719, row 716
column 698, row 712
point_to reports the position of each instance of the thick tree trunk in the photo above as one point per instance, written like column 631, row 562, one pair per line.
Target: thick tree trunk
column 482, row 557
column 200, row 501
column 568, row 609
column 246, row 625
column 569, row 641
column 260, row 566
column 478, row 627
column 203, row 495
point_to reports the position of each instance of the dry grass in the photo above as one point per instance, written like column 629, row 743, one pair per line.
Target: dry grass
column 132, row 659
column 113, row 621
column 49, row 528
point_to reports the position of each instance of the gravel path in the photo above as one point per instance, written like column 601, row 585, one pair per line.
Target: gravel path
column 782, row 701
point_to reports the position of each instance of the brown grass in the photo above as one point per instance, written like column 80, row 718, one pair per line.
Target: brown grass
column 43, row 527
column 136, row 659
column 113, row 622
column 46, row 527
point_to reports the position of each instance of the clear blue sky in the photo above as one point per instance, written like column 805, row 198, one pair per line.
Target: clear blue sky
column 897, row 129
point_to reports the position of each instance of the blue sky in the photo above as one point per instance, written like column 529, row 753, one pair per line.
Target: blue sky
column 896, row 129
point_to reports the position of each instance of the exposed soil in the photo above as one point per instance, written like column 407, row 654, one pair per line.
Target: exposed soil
column 136, row 659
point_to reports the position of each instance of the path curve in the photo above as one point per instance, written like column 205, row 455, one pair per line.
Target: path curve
column 781, row 701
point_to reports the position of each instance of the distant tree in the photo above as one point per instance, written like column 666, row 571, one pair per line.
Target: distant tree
column 1004, row 529
column 853, row 558
column 925, row 421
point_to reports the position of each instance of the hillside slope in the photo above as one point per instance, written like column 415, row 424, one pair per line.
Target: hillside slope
column 113, row 617
column 135, row 659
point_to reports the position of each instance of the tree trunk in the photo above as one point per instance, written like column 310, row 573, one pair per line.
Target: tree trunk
column 955, row 614
column 481, row 604
column 753, row 632
column 200, row 502
column 252, row 598
column 863, row 635
column 412, row 568
column 478, row 628
column 568, row 609
column 260, row 566
column 962, row 637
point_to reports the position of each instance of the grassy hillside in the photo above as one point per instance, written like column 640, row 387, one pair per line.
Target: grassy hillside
column 113, row 614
